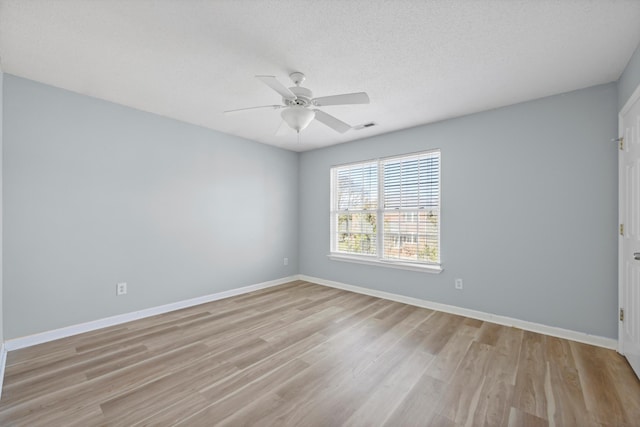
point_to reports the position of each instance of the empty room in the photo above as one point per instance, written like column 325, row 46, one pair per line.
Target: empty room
column 320, row 213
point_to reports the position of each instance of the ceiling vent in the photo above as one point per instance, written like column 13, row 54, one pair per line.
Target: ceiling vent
column 366, row 125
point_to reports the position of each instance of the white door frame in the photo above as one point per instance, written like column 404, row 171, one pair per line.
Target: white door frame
column 627, row 106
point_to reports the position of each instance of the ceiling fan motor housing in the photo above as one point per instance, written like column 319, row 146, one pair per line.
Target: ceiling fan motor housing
column 303, row 97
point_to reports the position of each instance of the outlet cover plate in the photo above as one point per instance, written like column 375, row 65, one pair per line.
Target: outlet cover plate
column 121, row 288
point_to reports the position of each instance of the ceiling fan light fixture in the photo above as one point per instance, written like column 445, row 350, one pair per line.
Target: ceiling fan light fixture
column 297, row 118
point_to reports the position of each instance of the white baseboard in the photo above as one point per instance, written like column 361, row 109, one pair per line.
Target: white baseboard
column 27, row 341
column 480, row 315
column 3, row 362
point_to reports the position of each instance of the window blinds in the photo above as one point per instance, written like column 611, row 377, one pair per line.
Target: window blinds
column 357, row 187
column 412, row 182
column 411, row 208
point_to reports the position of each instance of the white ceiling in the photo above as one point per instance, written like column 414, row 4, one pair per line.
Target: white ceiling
column 420, row 61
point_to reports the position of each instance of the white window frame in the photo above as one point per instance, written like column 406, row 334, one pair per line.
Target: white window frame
column 378, row 258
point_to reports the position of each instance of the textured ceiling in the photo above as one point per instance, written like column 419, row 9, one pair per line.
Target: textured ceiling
column 419, row 61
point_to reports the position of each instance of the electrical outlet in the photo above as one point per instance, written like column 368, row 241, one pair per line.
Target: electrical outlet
column 458, row 283
column 286, row 261
column 121, row 288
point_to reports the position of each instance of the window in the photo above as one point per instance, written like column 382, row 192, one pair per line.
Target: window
column 356, row 208
column 388, row 210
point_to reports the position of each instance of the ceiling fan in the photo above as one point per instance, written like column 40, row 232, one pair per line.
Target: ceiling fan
column 299, row 104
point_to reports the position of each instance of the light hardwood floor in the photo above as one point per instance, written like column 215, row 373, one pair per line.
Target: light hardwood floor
column 301, row 354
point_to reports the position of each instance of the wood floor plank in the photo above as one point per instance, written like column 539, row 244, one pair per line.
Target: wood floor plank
column 530, row 396
column 448, row 359
column 489, row 333
column 145, row 325
column 494, row 399
column 92, row 392
column 335, row 404
column 31, row 355
column 506, row 355
column 382, row 400
column 236, row 402
column 569, row 408
column 217, row 390
column 440, row 330
column 419, row 404
column 68, row 366
column 171, row 414
column 618, row 368
column 305, row 354
column 558, row 351
column 497, row 391
column 324, row 377
column 518, row 418
column 143, row 402
column 12, row 396
column 462, row 394
column 62, row 404
column 600, row 393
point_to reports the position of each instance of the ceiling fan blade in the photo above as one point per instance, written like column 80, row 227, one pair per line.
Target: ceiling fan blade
column 332, row 122
column 274, row 84
column 274, row 107
column 347, row 98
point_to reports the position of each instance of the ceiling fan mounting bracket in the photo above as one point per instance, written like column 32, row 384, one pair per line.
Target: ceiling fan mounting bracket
column 297, row 78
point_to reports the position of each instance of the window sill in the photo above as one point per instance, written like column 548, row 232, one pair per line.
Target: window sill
column 425, row 268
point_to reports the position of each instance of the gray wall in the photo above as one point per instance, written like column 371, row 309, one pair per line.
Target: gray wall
column 96, row 193
column 630, row 79
column 529, row 211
